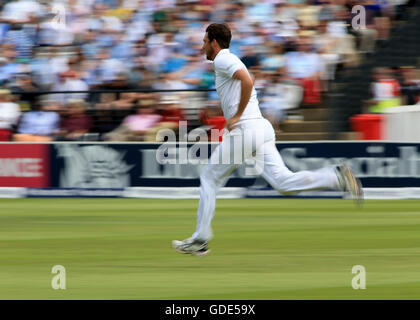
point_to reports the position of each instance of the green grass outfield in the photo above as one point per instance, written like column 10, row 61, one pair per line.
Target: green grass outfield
column 263, row 249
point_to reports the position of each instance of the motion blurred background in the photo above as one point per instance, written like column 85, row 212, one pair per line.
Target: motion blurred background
column 109, row 70
column 83, row 83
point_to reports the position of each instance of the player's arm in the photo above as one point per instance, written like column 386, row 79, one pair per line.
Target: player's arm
column 246, row 90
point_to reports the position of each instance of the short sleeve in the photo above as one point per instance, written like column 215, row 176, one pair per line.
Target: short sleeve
column 229, row 65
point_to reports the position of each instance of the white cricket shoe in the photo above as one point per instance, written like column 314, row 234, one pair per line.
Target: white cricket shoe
column 191, row 246
column 350, row 183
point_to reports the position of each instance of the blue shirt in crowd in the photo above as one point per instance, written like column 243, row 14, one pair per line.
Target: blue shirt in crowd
column 42, row 123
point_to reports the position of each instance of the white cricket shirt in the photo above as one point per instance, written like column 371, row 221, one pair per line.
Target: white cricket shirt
column 229, row 89
column 9, row 114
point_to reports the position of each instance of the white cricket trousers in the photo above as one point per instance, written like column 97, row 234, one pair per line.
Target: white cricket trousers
column 252, row 139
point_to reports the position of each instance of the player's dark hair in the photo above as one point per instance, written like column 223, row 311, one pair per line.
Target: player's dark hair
column 221, row 33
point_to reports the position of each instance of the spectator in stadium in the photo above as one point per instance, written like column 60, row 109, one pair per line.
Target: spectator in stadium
column 383, row 12
column 279, row 95
column 368, row 34
column 338, row 28
column 168, row 81
column 40, row 124
column 75, row 123
column 154, row 39
column 118, row 100
column 22, row 37
column 274, row 59
column 410, row 86
column 129, row 100
column 250, row 59
column 189, row 74
column 21, row 11
column 9, row 66
column 328, row 49
column 160, row 47
column 171, row 114
column 69, row 81
column 305, row 66
column 261, row 78
column 109, row 68
column 385, row 91
column 9, row 115
column 45, row 66
column 286, row 16
column 136, row 126
column 23, row 85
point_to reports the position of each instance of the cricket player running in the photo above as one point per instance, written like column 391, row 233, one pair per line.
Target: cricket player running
column 243, row 116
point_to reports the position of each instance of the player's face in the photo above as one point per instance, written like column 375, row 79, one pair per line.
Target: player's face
column 207, row 48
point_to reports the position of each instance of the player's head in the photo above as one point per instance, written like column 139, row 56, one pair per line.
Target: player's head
column 217, row 37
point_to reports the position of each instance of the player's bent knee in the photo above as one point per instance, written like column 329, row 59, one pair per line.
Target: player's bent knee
column 206, row 176
column 284, row 186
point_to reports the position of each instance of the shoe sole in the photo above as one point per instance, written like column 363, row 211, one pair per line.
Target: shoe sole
column 355, row 186
column 360, row 197
column 194, row 253
column 201, row 254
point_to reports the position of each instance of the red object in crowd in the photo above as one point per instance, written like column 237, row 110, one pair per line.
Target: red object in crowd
column 311, row 91
column 369, row 125
column 5, row 135
column 77, row 122
column 173, row 115
column 217, row 122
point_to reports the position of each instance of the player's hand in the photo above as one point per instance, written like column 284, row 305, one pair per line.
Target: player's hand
column 232, row 123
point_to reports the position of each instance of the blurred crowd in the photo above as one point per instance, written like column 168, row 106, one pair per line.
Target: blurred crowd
column 392, row 87
column 293, row 48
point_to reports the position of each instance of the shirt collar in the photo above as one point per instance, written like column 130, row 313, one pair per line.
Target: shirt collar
column 221, row 52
